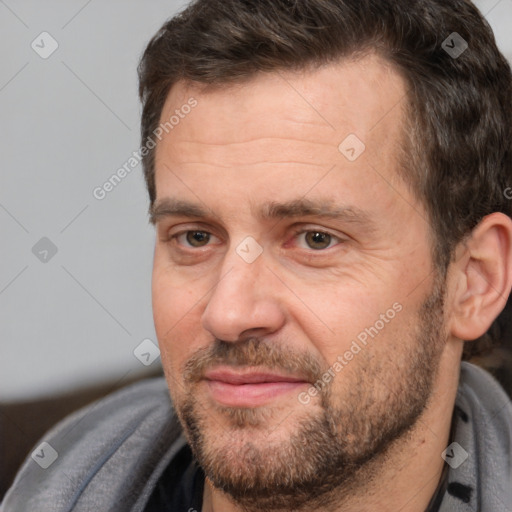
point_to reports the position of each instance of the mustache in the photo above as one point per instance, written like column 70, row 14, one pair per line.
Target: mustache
column 252, row 352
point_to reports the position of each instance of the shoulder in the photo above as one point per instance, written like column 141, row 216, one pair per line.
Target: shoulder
column 484, row 437
column 480, row 387
column 103, row 457
column 480, row 393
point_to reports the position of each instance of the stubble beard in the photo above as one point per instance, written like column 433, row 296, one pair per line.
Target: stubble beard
column 336, row 446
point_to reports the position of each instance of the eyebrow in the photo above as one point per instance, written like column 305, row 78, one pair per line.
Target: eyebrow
column 313, row 208
column 170, row 207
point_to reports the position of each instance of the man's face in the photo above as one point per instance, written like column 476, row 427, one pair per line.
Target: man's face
column 288, row 255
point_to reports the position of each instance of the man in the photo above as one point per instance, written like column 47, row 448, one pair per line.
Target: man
column 327, row 183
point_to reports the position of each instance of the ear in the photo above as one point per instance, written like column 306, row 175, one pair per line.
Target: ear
column 481, row 277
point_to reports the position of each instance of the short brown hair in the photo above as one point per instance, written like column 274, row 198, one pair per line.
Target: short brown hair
column 457, row 149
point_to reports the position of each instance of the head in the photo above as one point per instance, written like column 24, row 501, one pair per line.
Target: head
column 323, row 177
column 456, row 140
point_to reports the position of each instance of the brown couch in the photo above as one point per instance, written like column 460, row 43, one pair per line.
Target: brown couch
column 22, row 424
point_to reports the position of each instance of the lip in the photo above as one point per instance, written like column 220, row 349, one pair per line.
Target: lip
column 249, row 387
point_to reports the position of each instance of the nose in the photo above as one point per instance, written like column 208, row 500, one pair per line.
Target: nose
column 244, row 302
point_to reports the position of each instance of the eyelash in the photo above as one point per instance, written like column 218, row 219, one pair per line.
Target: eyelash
column 302, row 231
column 297, row 232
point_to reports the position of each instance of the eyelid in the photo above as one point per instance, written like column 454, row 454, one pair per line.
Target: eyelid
column 182, row 229
column 308, row 229
column 168, row 232
column 178, row 234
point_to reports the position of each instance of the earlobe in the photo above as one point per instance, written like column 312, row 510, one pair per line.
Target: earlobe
column 483, row 277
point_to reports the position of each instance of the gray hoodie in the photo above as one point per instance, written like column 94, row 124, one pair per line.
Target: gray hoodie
column 109, row 456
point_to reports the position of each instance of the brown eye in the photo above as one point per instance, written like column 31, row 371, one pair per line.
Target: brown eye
column 318, row 240
column 197, row 238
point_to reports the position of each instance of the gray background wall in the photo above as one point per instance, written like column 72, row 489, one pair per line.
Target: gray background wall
column 68, row 122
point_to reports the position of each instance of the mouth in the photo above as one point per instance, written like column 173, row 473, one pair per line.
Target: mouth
column 250, row 387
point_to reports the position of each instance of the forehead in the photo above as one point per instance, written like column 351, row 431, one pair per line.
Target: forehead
column 333, row 98
column 300, row 123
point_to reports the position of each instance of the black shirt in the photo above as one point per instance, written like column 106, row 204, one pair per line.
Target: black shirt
column 180, row 488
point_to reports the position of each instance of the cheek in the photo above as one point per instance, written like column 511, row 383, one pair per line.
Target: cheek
column 173, row 295
column 177, row 318
column 336, row 311
column 345, row 319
